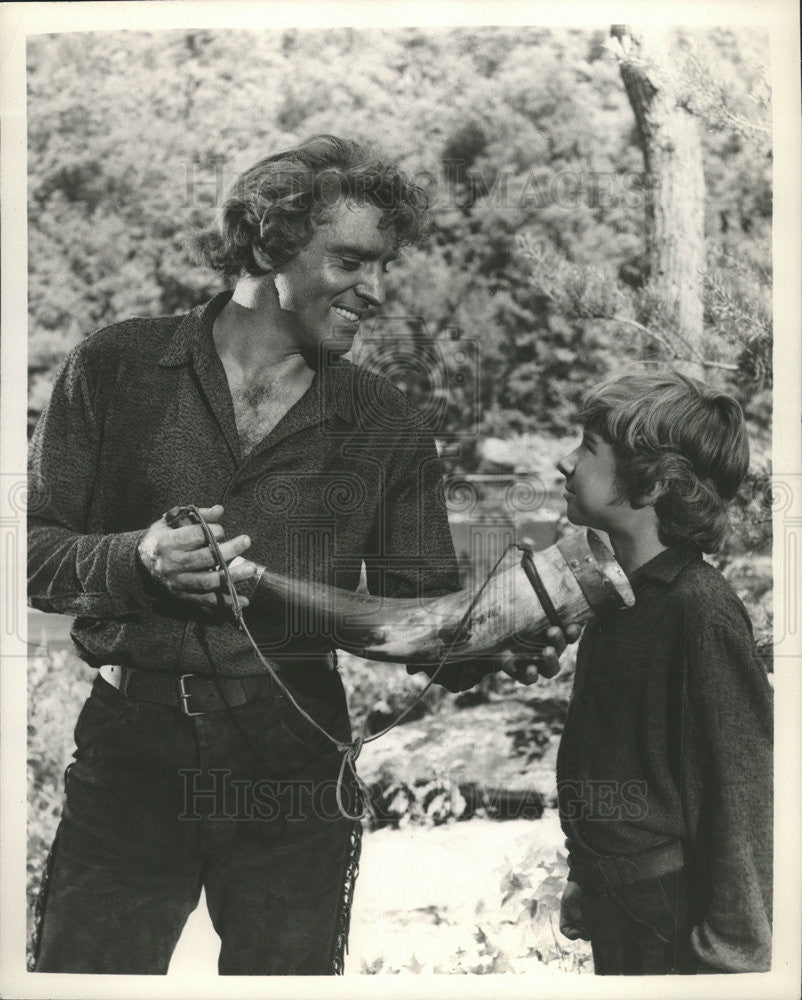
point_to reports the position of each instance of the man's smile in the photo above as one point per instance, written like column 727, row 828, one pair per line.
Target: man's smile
column 347, row 314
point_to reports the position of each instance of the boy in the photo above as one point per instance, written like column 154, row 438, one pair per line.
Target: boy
column 664, row 772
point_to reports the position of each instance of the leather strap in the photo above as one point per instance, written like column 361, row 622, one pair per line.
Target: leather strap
column 528, row 563
column 608, row 873
column 192, row 694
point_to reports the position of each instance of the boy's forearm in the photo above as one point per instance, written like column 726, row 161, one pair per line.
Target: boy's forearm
column 734, row 934
column 734, row 845
column 745, row 949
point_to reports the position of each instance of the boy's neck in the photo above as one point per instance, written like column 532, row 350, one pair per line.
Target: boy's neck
column 636, row 549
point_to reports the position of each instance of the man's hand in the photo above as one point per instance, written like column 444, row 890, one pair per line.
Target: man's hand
column 179, row 559
column 526, row 666
column 572, row 924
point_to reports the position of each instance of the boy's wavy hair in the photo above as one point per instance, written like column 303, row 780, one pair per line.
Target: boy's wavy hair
column 279, row 202
column 668, row 429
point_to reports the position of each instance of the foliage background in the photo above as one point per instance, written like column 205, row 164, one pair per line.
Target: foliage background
column 527, row 146
column 523, row 138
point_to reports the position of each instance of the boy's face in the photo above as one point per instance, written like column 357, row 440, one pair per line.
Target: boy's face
column 591, row 487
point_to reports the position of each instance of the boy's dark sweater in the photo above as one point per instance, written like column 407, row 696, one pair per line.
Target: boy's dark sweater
column 669, row 735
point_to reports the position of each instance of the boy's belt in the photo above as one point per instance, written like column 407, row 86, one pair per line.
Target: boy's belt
column 608, row 873
column 195, row 694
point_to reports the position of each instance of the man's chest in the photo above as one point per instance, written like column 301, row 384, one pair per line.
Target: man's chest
column 313, row 487
column 260, row 406
column 260, row 402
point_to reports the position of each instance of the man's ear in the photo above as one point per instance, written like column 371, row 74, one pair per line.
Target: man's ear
column 261, row 258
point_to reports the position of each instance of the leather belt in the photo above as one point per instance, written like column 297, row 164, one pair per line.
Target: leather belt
column 192, row 694
column 608, row 873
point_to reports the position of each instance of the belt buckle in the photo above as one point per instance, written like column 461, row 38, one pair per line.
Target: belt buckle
column 185, row 695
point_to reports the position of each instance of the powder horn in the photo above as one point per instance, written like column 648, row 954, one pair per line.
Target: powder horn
column 566, row 584
column 569, row 583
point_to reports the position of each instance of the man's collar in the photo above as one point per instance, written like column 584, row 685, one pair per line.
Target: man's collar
column 188, row 335
column 336, row 381
column 664, row 568
column 337, row 384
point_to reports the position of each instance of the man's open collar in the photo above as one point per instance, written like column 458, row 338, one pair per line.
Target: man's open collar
column 333, row 388
column 664, row 568
column 188, row 336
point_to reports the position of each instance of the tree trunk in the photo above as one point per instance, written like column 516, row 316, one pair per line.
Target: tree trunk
column 674, row 187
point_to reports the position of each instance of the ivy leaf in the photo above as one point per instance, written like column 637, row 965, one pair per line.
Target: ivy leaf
column 513, row 882
column 552, row 885
column 413, row 965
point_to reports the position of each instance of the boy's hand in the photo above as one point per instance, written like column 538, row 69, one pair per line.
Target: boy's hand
column 524, row 664
column 571, row 922
column 525, row 667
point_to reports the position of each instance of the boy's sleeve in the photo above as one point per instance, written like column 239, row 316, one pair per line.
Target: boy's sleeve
column 729, row 695
column 72, row 571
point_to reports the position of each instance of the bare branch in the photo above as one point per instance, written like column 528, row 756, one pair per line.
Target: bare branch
column 668, row 346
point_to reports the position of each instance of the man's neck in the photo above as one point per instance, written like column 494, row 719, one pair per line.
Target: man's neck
column 250, row 333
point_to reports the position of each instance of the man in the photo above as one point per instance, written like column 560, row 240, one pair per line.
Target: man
column 193, row 769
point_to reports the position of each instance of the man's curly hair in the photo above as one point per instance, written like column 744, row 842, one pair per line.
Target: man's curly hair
column 279, row 202
column 673, row 432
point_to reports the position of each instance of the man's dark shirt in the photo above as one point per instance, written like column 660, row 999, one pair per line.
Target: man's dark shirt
column 141, row 419
column 669, row 735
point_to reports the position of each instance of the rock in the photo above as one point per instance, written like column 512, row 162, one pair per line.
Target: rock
column 501, row 803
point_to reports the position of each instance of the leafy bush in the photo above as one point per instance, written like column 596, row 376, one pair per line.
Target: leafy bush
column 517, row 932
column 379, row 692
column 527, row 927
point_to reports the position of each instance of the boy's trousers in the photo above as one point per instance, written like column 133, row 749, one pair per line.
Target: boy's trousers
column 643, row 928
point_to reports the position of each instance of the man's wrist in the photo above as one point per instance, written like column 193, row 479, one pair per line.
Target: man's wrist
column 150, row 584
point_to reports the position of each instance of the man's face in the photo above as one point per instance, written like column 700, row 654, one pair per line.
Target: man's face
column 591, row 485
column 337, row 280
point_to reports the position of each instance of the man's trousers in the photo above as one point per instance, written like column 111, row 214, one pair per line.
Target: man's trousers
column 240, row 802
